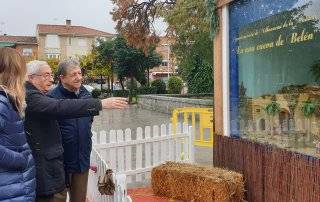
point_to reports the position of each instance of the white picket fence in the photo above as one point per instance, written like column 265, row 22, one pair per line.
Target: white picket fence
column 93, row 195
column 132, row 157
column 151, row 146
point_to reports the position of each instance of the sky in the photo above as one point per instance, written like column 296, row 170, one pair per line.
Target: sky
column 20, row 17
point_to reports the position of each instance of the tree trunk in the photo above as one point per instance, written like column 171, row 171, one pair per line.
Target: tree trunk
column 131, row 90
column 112, row 78
column 121, row 83
column 101, row 81
column 108, row 82
column 148, row 70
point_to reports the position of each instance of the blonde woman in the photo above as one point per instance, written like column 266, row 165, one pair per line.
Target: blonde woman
column 17, row 169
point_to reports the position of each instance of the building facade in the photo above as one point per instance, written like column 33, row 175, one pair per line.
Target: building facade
column 26, row 45
column 65, row 41
column 168, row 65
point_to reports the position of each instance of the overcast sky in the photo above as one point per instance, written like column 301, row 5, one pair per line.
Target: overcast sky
column 20, row 17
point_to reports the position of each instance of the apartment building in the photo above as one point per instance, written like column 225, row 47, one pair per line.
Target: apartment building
column 26, row 45
column 65, row 41
column 168, row 65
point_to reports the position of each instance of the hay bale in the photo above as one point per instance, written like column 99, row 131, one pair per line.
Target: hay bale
column 189, row 182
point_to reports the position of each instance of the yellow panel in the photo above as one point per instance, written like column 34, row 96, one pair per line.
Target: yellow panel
column 206, row 121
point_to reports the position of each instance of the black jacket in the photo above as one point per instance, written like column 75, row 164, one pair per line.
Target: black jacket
column 44, row 136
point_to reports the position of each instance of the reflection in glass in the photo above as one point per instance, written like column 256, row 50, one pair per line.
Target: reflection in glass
column 275, row 72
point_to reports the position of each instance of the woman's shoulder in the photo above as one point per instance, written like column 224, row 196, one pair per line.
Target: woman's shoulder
column 4, row 106
column 4, row 101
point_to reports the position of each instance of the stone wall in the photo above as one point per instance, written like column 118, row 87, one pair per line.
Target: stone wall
column 166, row 104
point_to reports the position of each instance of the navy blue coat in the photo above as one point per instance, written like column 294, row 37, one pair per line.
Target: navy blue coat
column 76, row 133
column 17, row 169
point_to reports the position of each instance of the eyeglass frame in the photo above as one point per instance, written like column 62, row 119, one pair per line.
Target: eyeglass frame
column 45, row 75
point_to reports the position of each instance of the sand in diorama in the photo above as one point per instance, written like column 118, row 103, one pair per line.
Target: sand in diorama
column 190, row 182
column 293, row 141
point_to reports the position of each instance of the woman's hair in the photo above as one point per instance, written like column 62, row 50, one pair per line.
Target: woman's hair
column 12, row 76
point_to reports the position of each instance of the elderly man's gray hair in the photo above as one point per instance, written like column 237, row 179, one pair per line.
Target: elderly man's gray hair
column 33, row 67
column 65, row 64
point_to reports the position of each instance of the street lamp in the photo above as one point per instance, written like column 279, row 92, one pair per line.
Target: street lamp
column 2, row 31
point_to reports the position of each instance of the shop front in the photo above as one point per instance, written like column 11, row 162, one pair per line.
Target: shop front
column 267, row 96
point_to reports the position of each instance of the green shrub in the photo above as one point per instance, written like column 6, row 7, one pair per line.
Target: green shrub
column 132, row 85
column 96, row 93
column 175, row 85
column 107, row 91
column 147, row 90
column 201, row 80
column 159, row 85
column 120, row 93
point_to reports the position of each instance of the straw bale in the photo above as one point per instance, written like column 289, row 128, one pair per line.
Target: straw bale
column 196, row 183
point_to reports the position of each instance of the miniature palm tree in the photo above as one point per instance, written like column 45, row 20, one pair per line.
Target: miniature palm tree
column 272, row 109
column 308, row 109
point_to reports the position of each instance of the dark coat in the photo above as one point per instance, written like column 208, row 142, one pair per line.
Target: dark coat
column 17, row 170
column 44, row 135
column 76, row 133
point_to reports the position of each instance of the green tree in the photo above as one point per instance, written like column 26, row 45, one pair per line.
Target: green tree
column 175, row 85
column 308, row 109
column 199, row 76
column 190, row 26
column 94, row 66
column 272, row 109
column 53, row 63
column 152, row 60
column 105, row 51
column 131, row 63
column 86, row 62
column 159, row 86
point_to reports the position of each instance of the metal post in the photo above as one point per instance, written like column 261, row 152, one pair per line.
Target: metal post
column 168, row 61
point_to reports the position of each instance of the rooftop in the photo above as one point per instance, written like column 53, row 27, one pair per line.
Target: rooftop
column 18, row 39
column 69, row 29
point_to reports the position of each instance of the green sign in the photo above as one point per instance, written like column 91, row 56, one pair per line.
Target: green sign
column 278, row 51
column 6, row 44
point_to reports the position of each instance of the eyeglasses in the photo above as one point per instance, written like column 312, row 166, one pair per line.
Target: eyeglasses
column 45, row 76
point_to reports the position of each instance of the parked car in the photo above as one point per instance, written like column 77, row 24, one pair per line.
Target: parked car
column 89, row 88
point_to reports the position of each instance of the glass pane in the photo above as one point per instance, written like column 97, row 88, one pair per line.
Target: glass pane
column 275, row 72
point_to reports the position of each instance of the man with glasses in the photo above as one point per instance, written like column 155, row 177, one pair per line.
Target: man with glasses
column 43, row 132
